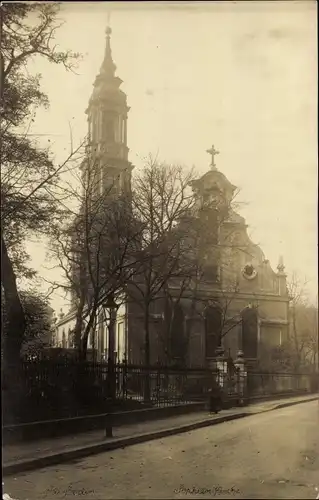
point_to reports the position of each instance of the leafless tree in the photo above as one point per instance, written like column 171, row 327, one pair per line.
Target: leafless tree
column 161, row 199
column 182, row 243
column 98, row 248
column 214, row 277
column 303, row 338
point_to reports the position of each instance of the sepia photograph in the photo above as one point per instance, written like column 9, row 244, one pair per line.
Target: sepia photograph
column 159, row 250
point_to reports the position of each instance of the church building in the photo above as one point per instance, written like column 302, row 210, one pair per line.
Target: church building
column 243, row 302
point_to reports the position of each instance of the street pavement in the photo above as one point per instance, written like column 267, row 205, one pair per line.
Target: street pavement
column 267, row 455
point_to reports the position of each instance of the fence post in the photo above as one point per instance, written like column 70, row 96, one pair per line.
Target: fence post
column 242, row 378
column 109, row 419
column 124, row 378
column 158, row 384
column 221, row 365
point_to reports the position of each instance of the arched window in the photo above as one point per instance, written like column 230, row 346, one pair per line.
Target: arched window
column 54, row 339
column 178, row 334
column 175, row 338
column 107, row 128
column 249, row 318
column 213, row 326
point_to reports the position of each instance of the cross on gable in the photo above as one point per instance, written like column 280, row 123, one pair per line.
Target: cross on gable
column 213, row 152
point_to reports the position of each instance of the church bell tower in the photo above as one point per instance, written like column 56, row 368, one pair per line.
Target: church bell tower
column 107, row 126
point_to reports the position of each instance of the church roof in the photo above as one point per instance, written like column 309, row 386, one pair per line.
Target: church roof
column 217, row 176
column 235, row 218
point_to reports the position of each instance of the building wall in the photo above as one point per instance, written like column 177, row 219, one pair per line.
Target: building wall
column 63, row 328
column 120, row 344
column 232, row 340
column 273, row 335
column 275, row 308
column 98, row 341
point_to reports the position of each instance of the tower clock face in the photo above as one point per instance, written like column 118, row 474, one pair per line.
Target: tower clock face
column 249, row 272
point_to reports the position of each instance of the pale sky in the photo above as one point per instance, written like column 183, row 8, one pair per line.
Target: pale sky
column 241, row 76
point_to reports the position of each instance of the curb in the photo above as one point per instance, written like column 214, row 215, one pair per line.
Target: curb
column 85, row 451
column 292, row 403
column 285, row 405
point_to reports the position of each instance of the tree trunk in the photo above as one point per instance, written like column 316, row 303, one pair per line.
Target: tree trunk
column 84, row 341
column 15, row 317
column 297, row 356
column 147, row 360
column 78, row 324
column 111, row 358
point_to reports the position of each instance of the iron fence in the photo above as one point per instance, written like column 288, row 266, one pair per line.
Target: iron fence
column 47, row 389
column 60, row 389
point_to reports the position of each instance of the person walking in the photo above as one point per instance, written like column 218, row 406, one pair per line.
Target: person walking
column 215, row 397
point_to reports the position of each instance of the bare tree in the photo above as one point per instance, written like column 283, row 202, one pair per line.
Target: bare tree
column 161, row 199
column 174, row 337
column 98, row 249
column 300, row 351
column 303, row 338
column 214, row 283
column 200, row 280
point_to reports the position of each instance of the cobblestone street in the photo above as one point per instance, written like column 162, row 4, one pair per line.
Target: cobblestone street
column 270, row 455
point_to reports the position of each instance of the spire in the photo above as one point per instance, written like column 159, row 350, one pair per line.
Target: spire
column 108, row 67
column 107, row 113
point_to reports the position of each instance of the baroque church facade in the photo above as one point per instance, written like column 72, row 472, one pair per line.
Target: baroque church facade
column 244, row 303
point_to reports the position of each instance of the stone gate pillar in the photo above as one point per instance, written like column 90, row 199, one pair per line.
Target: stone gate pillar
column 242, row 378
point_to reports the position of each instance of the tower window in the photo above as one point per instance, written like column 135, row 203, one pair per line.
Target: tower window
column 109, row 181
column 119, row 130
column 89, row 134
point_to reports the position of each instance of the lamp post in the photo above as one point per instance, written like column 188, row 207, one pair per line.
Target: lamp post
column 110, row 306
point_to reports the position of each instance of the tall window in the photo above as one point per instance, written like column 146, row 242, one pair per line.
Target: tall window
column 90, row 130
column 54, row 340
column 213, row 327
column 93, row 336
column 120, row 344
column 107, row 128
column 101, row 180
column 119, row 129
column 63, row 339
column 250, row 332
column 70, row 338
column 177, row 340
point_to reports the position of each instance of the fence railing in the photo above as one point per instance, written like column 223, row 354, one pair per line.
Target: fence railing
column 49, row 389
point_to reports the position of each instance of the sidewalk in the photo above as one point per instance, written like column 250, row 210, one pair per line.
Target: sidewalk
column 33, row 455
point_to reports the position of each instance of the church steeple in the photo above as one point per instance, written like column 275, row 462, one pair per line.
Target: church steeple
column 108, row 67
column 107, row 123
